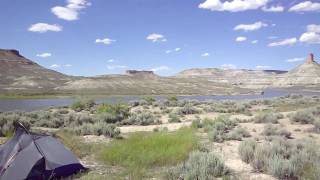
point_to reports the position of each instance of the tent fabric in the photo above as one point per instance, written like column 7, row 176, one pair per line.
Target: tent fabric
column 36, row 156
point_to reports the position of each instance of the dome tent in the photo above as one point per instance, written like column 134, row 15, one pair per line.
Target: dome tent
column 29, row 155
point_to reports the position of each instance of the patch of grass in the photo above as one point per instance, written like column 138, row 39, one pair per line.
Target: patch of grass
column 142, row 151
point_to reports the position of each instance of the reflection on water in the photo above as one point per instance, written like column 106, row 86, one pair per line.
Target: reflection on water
column 37, row 104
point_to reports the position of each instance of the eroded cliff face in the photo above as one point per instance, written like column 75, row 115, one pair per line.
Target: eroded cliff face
column 307, row 74
column 18, row 73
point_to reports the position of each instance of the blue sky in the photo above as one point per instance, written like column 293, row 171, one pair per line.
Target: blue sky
column 95, row 37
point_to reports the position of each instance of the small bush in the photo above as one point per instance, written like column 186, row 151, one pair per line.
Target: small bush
column 98, row 129
column 142, row 118
column 200, row 165
column 283, row 159
column 246, row 150
column 174, row 118
column 268, row 118
column 271, row 130
column 238, row 134
column 303, row 117
column 188, row 109
column 316, row 124
column 82, row 104
column 149, row 100
column 196, row 123
column 219, row 128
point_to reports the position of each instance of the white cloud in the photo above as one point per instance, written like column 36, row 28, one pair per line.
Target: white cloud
column 310, row 38
column 111, row 60
column 313, row 28
column 241, row 39
column 263, row 67
column 294, row 60
column 250, row 27
column 272, row 37
column 273, row 9
column 160, row 68
column 55, row 66
column 116, row 67
column 44, row 55
column 70, row 12
column 254, row 41
column 205, row 54
column 228, row 66
column 106, row 41
column 44, row 27
column 173, row 50
column 67, row 65
column 156, row 37
column 305, row 6
column 284, row 42
column 233, row 6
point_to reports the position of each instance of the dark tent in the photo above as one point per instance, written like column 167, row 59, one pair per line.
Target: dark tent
column 35, row 156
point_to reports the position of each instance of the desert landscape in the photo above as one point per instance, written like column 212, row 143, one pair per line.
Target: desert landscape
column 159, row 90
column 170, row 139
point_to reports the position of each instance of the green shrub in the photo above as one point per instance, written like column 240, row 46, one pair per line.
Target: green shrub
column 268, row 118
column 188, row 109
column 271, row 130
column 149, row 100
column 283, row 159
column 219, row 128
column 238, row 134
column 217, row 136
column 196, row 123
column 246, row 150
column 98, row 129
column 174, row 118
column 316, row 124
column 303, row 117
column 200, row 165
column 142, row 118
column 82, row 104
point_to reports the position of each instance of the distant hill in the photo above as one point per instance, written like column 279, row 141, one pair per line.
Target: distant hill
column 21, row 75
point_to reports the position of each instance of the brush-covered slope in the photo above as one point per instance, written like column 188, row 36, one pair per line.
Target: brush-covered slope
column 20, row 74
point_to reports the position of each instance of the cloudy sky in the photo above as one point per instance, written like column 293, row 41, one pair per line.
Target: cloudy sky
column 94, row 37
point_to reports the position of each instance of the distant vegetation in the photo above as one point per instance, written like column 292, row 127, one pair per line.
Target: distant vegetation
column 276, row 136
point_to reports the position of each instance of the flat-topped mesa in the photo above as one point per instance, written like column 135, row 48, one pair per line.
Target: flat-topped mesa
column 13, row 56
column 136, row 72
column 310, row 59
